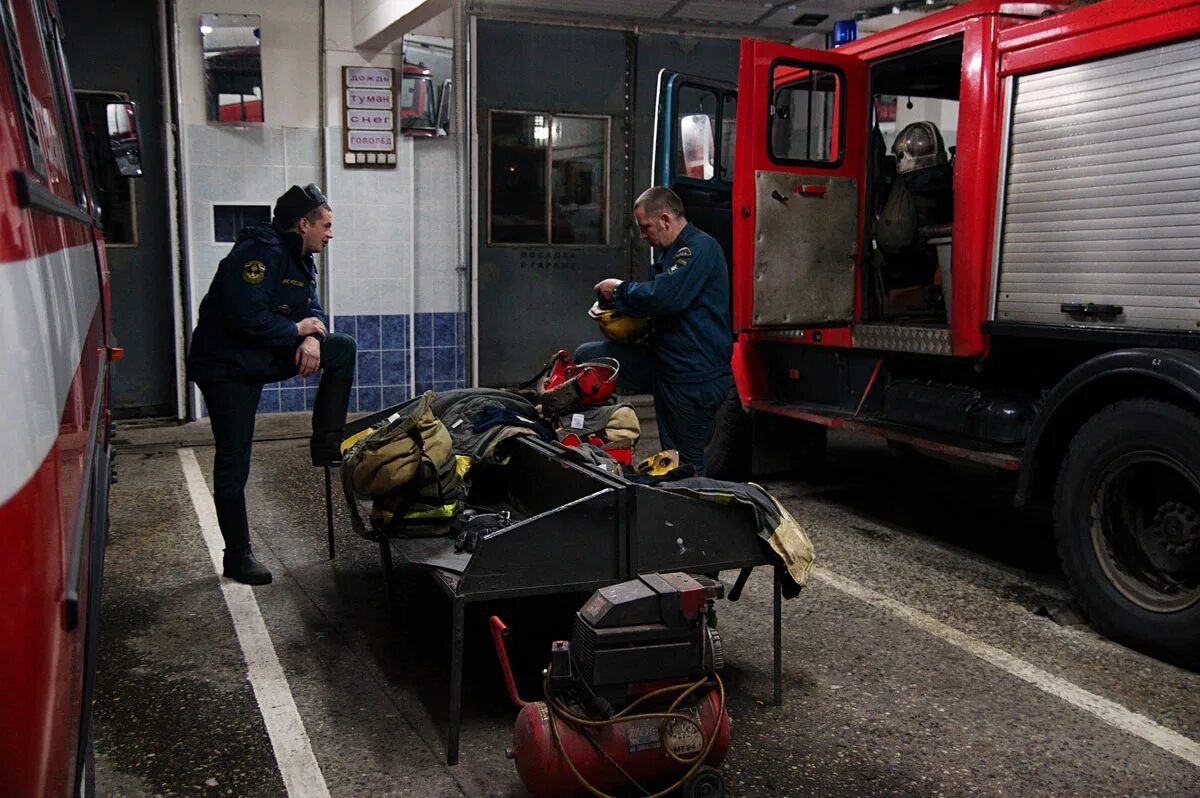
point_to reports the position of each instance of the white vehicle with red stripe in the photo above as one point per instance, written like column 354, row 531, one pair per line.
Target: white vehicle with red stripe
column 54, row 436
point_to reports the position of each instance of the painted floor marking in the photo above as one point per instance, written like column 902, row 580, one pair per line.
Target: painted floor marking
column 293, row 752
column 1108, row 711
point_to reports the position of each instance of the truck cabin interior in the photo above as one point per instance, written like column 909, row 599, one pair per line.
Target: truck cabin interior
column 910, row 180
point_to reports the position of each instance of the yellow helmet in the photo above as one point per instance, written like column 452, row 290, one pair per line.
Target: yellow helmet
column 622, row 329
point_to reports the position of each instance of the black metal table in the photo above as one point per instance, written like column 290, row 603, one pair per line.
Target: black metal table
column 581, row 529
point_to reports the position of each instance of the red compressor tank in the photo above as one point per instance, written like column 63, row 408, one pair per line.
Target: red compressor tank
column 636, row 745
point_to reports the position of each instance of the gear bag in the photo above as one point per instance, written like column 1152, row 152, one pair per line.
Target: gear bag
column 896, row 226
column 406, row 464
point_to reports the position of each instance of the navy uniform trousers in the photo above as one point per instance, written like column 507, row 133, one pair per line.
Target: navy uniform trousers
column 231, row 409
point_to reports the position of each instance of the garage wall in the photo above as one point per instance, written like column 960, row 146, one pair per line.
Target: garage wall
column 394, row 281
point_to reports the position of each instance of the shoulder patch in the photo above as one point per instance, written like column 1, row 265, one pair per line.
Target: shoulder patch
column 683, row 252
column 254, row 271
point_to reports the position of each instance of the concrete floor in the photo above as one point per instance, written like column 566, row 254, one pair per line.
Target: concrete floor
column 875, row 704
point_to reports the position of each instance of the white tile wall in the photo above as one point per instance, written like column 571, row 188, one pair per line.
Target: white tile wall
column 377, row 258
column 230, row 165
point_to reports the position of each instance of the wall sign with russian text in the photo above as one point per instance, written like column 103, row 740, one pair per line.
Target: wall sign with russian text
column 369, row 129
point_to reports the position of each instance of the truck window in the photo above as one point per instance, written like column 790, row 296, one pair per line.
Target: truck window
column 805, row 105
column 548, row 181
column 417, row 105
column 704, row 135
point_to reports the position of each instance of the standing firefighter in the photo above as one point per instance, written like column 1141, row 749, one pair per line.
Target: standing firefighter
column 261, row 322
column 686, row 361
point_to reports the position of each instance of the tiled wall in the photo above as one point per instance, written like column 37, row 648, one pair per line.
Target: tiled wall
column 381, row 376
column 395, row 280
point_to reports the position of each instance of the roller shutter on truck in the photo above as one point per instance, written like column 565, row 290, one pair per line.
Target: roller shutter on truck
column 1101, row 198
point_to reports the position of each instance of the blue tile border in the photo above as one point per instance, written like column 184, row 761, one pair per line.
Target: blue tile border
column 389, row 345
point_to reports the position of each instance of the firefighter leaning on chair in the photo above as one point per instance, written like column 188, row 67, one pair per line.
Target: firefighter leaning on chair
column 261, row 322
column 685, row 362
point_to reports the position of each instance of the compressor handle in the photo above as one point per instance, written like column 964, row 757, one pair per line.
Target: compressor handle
column 499, row 630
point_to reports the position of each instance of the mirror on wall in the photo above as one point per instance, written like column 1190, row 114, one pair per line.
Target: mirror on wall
column 123, row 140
column 425, row 89
column 232, row 67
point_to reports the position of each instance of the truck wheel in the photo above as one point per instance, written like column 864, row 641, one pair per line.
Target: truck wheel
column 1127, row 521
column 727, row 455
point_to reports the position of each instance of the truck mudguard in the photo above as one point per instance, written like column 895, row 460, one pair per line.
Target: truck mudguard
column 1176, row 370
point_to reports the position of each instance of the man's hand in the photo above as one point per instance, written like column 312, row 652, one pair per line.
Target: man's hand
column 605, row 288
column 308, row 354
column 311, row 325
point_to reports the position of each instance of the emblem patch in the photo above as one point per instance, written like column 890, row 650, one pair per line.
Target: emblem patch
column 253, row 272
column 684, row 252
column 291, row 281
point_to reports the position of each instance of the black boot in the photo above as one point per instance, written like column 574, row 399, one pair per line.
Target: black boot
column 329, row 417
column 239, row 563
column 241, row 566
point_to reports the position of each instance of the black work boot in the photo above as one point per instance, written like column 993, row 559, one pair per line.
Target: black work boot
column 241, row 566
column 239, row 563
column 329, row 418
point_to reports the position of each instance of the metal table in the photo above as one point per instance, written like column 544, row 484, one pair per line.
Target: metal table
column 582, row 529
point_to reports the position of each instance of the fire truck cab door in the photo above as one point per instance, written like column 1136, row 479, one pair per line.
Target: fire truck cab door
column 694, row 125
column 799, row 190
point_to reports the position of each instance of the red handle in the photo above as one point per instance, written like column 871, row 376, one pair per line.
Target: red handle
column 499, row 630
column 811, row 190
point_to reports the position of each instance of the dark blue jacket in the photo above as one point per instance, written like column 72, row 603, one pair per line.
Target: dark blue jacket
column 687, row 295
column 247, row 326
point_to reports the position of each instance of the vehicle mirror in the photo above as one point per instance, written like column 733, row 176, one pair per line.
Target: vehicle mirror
column 123, row 140
column 696, row 138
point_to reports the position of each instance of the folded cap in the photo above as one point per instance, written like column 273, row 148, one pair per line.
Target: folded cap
column 295, row 203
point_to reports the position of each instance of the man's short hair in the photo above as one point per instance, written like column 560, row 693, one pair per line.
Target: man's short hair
column 315, row 214
column 657, row 199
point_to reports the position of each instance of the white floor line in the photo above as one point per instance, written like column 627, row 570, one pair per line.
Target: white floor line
column 293, row 752
column 1108, row 711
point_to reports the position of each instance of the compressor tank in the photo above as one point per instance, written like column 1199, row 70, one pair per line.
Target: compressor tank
column 636, row 745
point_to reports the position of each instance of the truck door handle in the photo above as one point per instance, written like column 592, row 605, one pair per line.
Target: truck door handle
column 1090, row 309
column 811, row 190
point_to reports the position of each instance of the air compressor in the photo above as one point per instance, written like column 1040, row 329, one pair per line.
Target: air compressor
column 633, row 703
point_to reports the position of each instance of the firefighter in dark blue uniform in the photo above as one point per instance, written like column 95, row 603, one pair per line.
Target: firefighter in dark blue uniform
column 261, row 322
column 686, row 364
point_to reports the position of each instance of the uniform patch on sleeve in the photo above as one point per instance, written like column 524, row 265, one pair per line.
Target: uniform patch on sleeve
column 291, row 281
column 681, row 258
column 254, row 271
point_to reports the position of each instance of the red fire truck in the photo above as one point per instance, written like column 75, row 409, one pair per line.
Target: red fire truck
column 54, row 365
column 1041, row 311
column 421, row 107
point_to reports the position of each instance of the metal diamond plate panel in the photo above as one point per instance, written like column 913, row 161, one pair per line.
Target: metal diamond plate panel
column 899, row 338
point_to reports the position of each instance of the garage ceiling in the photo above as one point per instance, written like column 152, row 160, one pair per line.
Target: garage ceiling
column 778, row 20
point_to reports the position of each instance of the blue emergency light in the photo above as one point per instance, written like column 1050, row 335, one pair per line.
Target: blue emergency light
column 844, row 31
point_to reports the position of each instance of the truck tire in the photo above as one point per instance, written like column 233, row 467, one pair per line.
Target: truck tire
column 1127, row 523
column 727, row 455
